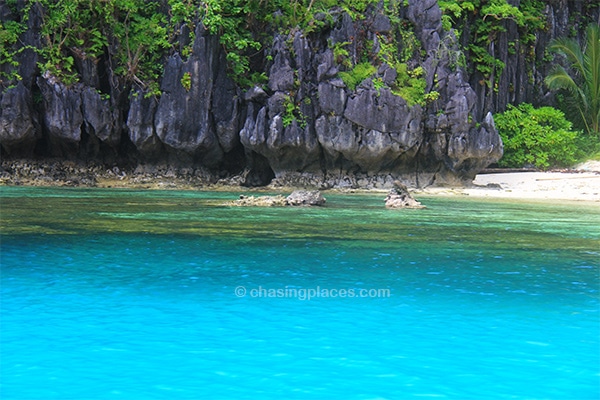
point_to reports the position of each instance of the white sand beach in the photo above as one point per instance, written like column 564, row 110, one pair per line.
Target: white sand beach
column 539, row 185
column 581, row 184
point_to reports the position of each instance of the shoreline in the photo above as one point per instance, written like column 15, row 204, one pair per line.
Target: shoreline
column 572, row 186
column 580, row 185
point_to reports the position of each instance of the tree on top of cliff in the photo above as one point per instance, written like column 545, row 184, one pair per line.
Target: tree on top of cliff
column 581, row 81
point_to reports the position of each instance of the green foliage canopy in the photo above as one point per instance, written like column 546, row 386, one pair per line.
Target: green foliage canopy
column 136, row 35
column 541, row 137
column 9, row 34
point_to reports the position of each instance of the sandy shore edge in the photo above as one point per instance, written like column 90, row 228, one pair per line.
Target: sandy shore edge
column 581, row 184
column 560, row 186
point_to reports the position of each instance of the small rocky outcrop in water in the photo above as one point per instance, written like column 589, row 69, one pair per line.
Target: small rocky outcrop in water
column 399, row 197
column 258, row 201
column 297, row 198
column 305, row 198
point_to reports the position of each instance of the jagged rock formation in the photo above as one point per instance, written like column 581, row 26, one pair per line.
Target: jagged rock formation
column 17, row 127
column 305, row 198
column 336, row 136
column 369, row 135
column 400, row 197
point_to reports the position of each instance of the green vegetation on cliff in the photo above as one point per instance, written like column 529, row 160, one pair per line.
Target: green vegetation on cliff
column 9, row 35
column 132, row 34
column 136, row 35
column 486, row 19
column 356, row 75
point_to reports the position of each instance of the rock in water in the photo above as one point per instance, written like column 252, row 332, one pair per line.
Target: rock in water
column 260, row 201
column 399, row 197
column 305, row 198
column 297, row 198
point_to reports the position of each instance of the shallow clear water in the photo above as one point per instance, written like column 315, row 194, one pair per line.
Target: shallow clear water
column 118, row 294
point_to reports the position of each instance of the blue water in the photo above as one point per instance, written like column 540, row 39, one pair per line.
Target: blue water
column 121, row 294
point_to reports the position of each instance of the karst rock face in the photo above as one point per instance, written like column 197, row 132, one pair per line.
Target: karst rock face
column 367, row 136
column 304, row 127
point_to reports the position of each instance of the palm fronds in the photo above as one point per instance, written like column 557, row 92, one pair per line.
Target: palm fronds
column 582, row 79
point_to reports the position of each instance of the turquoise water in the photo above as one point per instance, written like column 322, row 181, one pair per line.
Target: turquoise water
column 120, row 294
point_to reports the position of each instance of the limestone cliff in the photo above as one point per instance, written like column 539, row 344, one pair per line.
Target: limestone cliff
column 305, row 127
